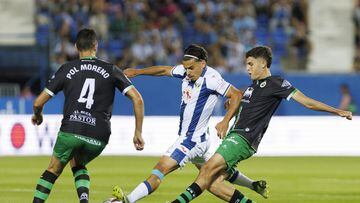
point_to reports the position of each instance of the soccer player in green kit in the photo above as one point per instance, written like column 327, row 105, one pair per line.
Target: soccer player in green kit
column 259, row 102
column 89, row 86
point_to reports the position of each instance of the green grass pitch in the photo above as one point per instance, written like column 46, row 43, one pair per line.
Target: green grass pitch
column 291, row 179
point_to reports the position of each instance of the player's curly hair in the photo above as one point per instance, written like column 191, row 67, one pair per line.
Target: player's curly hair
column 197, row 51
column 261, row 52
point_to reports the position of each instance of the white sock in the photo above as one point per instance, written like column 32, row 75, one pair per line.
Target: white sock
column 241, row 180
column 142, row 190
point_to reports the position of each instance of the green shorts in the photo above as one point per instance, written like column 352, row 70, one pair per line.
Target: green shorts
column 234, row 148
column 83, row 149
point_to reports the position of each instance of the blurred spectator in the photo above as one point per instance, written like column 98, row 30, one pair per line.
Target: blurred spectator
column 59, row 60
column 356, row 19
column 98, row 20
column 281, row 15
column 300, row 11
column 300, row 47
column 356, row 65
column 118, row 24
column 142, row 51
column 235, row 54
column 347, row 102
column 26, row 93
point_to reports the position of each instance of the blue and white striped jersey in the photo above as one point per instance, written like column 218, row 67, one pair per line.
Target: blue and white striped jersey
column 198, row 101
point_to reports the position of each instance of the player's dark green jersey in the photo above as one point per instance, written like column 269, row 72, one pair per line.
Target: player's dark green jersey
column 89, row 88
column 259, row 102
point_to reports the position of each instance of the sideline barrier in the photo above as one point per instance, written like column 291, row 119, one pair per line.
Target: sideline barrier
column 286, row 136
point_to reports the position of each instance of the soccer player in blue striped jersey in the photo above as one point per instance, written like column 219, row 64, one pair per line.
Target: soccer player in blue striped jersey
column 201, row 86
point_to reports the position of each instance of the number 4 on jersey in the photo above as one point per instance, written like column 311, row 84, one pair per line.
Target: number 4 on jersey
column 89, row 84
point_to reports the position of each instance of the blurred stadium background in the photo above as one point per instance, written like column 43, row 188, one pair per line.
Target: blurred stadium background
column 316, row 46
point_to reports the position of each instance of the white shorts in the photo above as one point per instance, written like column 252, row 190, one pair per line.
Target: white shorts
column 185, row 150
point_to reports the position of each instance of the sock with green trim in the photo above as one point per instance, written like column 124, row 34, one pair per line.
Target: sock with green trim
column 82, row 183
column 191, row 193
column 44, row 186
column 238, row 197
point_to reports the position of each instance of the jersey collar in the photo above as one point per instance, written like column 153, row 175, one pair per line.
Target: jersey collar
column 257, row 82
column 203, row 71
column 88, row 58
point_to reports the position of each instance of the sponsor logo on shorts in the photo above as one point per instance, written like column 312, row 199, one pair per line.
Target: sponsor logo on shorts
column 89, row 140
column 233, row 140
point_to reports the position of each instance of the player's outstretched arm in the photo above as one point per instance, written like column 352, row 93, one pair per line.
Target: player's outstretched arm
column 138, row 105
column 153, row 70
column 234, row 97
column 319, row 106
column 39, row 103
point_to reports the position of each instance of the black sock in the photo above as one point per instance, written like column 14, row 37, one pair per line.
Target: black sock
column 82, row 183
column 239, row 197
column 191, row 193
column 233, row 176
column 44, row 186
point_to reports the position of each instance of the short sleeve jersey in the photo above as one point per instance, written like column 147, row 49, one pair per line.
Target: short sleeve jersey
column 198, row 100
column 89, row 89
column 259, row 102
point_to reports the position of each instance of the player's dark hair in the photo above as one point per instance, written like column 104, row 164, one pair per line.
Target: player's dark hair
column 197, row 51
column 85, row 39
column 261, row 52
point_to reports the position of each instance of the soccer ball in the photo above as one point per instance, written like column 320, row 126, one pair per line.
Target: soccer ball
column 112, row 200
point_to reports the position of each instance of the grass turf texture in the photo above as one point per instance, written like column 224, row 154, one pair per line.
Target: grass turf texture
column 291, row 179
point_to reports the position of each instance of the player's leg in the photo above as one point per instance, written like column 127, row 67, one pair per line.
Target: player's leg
column 165, row 166
column 232, row 150
column 61, row 155
column 238, row 178
column 82, row 180
column 219, row 188
column 176, row 156
column 208, row 173
column 89, row 150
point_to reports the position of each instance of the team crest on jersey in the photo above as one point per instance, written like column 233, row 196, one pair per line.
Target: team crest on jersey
column 263, row 84
column 184, row 149
column 248, row 92
column 286, row 84
column 186, row 95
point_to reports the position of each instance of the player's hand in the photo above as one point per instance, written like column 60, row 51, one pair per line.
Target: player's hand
column 227, row 104
column 346, row 114
column 221, row 128
column 130, row 72
column 37, row 119
column 138, row 141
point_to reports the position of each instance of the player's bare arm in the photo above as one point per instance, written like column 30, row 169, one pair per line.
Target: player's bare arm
column 152, row 70
column 227, row 103
column 138, row 103
column 234, row 97
column 39, row 103
column 319, row 106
